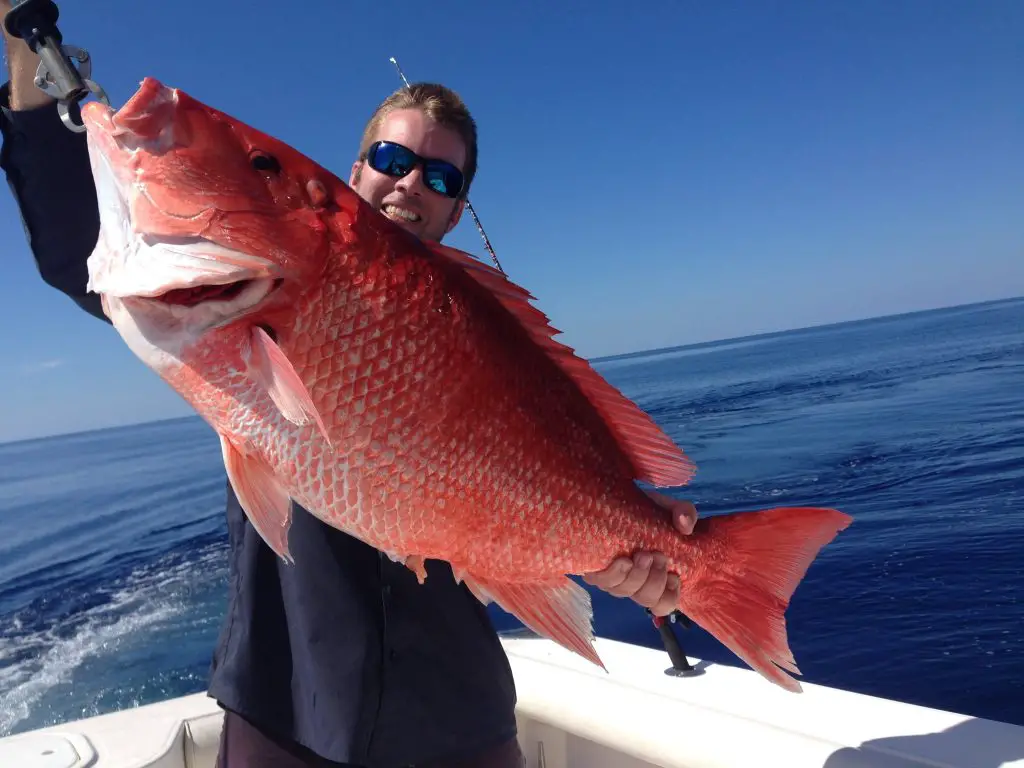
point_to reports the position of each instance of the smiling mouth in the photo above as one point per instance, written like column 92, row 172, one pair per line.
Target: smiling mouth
column 399, row 214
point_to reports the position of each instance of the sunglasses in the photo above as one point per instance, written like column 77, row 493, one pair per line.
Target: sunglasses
column 397, row 161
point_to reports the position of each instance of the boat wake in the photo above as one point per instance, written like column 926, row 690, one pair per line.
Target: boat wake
column 110, row 643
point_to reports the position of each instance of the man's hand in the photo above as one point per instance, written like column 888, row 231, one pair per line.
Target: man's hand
column 645, row 578
column 21, row 67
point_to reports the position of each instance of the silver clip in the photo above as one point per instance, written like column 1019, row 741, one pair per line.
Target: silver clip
column 63, row 83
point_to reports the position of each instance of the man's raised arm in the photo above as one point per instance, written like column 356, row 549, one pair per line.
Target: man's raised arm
column 48, row 172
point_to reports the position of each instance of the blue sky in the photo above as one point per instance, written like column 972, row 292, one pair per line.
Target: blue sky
column 656, row 174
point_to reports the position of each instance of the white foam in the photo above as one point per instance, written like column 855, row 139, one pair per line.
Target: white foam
column 148, row 597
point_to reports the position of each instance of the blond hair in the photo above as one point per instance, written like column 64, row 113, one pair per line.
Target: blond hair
column 440, row 104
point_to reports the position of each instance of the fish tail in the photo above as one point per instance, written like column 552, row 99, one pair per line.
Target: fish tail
column 742, row 599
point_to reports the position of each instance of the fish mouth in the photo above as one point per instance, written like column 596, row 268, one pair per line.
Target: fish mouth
column 175, row 271
column 190, row 297
column 232, row 296
column 200, row 307
column 155, row 265
column 130, row 262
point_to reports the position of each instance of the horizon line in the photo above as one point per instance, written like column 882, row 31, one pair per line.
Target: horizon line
column 602, row 358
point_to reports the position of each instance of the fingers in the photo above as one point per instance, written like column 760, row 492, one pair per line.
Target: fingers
column 684, row 517
column 635, row 576
column 644, row 579
column 650, row 584
column 669, row 599
column 652, row 581
column 684, row 513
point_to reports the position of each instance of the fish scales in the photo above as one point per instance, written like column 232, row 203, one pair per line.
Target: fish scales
column 398, row 352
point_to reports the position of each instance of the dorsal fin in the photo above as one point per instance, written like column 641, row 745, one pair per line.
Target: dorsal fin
column 655, row 458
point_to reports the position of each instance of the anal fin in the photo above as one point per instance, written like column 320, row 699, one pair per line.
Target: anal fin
column 265, row 501
column 559, row 610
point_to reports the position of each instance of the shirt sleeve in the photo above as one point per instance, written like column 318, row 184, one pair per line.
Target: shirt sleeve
column 48, row 172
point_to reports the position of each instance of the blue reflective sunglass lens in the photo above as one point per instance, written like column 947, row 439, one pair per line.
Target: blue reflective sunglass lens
column 443, row 181
column 392, row 159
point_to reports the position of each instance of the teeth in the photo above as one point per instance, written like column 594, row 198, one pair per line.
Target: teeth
column 395, row 211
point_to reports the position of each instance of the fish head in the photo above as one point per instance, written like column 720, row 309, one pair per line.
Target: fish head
column 203, row 220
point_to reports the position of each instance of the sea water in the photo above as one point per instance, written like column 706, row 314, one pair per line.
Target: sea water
column 112, row 543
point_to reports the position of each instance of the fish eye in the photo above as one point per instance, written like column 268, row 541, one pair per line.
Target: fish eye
column 264, row 162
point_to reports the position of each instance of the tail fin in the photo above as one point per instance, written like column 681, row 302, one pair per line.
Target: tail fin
column 741, row 599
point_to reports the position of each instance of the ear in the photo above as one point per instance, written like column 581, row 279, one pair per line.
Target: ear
column 357, row 168
column 456, row 215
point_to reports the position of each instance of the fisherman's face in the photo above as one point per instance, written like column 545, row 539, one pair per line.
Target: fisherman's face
column 408, row 201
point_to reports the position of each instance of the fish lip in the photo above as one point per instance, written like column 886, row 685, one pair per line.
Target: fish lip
column 208, row 314
column 192, row 262
column 144, row 121
column 95, row 113
column 156, row 293
column 148, row 100
column 272, row 283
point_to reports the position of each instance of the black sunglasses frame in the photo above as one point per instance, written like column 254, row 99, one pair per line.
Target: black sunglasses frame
column 443, row 167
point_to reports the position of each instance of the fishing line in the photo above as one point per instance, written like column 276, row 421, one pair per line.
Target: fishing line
column 469, row 205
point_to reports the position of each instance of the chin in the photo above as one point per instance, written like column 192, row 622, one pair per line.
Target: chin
column 417, row 228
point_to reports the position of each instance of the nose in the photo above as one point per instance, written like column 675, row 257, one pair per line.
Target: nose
column 148, row 113
column 412, row 183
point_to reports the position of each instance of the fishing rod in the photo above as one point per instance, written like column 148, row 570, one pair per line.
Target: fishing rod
column 469, row 205
column 35, row 22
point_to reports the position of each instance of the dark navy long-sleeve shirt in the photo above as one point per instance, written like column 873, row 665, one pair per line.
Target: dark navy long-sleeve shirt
column 343, row 652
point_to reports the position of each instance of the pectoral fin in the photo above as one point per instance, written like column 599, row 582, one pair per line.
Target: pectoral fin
column 269, row 365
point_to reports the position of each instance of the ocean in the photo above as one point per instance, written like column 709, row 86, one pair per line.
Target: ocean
column 112, row 543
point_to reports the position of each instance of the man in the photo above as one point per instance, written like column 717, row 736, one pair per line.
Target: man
column 342, row 658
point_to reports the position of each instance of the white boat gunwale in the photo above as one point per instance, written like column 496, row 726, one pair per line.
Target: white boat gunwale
column 633, row 716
